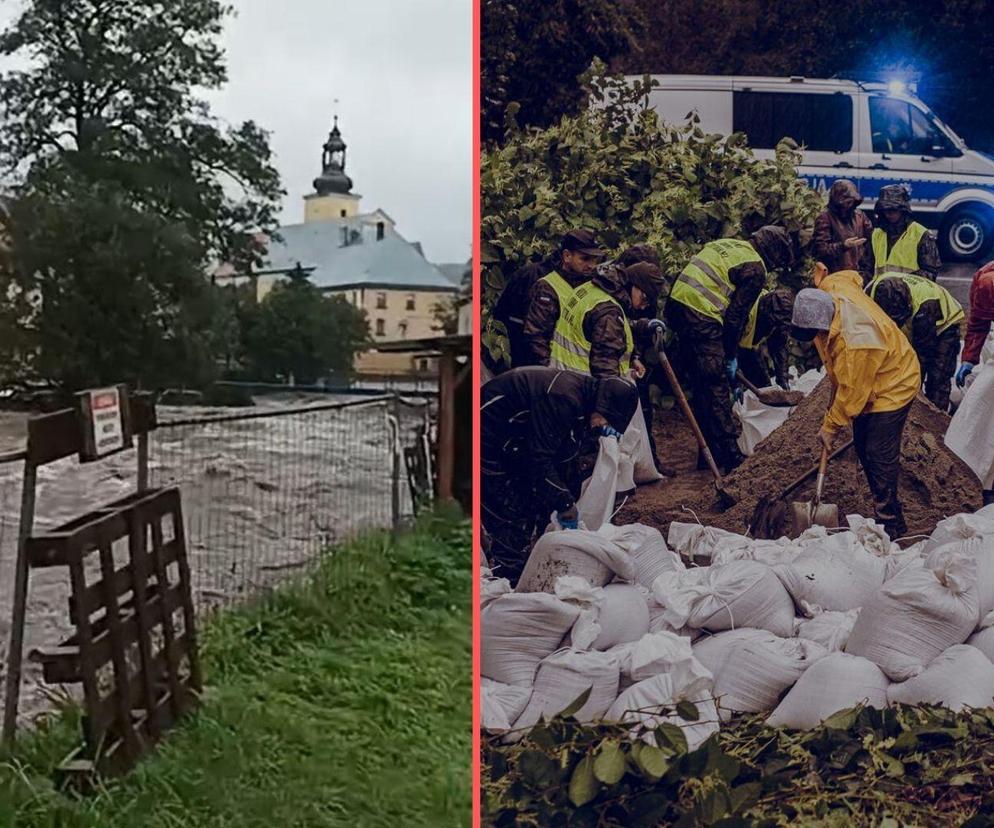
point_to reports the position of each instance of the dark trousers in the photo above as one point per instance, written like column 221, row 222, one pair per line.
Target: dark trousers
column 702, row 361
column 509, row 517
column 938, row 371
column 753, row 367
column 877, row 440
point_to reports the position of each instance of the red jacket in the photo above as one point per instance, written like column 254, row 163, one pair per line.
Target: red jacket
column 981, row 313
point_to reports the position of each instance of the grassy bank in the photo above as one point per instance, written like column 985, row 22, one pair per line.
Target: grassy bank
column 345, row 701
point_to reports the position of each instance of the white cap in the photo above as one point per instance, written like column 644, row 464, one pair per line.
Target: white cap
column 813, row 309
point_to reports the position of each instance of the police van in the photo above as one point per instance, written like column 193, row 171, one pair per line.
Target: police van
column 874, row 134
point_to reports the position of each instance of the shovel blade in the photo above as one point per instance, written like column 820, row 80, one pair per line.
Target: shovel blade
column 805, row 515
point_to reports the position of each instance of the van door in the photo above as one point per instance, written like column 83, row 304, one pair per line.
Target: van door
column 902, row 140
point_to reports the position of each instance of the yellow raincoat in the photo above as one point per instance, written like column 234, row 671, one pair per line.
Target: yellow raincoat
column 869, row 360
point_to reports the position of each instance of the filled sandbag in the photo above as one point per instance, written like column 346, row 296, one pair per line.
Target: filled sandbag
column 769, row 552
column 835, row 575
column 588, row 555
column 491, row 588
column 983, row 640
column 830, row 629
column 624, row 616
column 900, row 559
column 518, row 631
column 596, row 503
column 982, row 548
column 662, row 652
column 647, row 549
column 918, row 614
column 563, row 677
column 751, row 672
column 716, row 598
column 501, row 704
column 758, row 421
column 648, row 704
column 635, row 444
column 960, row 677
column 702, row 543
column 836, row 682
column 960, row 527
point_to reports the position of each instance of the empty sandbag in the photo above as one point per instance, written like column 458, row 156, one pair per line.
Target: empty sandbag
column 518, row 631
column 588, row 555
column 647, row 548
column 754, row 671
column 837, row 574
column 501, row 704
column 563, row 677
column 646, row 704
column 838, row 681
column 919, row 614
column 960, row 677
column 596, row 503
column 830, row 629
column 715, row 598
column 635, row 443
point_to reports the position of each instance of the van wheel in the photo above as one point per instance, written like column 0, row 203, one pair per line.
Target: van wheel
column 967, row 234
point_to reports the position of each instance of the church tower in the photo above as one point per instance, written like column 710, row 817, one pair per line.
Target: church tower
column 332, row 197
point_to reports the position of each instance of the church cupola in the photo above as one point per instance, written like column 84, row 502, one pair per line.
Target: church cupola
column 333, row 178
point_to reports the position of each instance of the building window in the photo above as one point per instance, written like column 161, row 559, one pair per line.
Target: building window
column 380, row 227
column 381, row 327
column 403, row 329
column 342, row 213
column 410, row 301
column 422, row 364
column 381, row 301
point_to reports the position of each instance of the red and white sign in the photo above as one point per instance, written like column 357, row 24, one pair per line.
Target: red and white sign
column 105, row 412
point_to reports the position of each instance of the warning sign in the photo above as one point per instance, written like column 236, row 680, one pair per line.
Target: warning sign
column 104, row 422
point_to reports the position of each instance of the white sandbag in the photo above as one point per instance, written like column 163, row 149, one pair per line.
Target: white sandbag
column 491, row 588
column 836, row 682
column 758, row 421
column 596, row 503
column 623, row 617
column 588, row 555
column 982, row 549
column 808, row 381
column 970, row 435
column 518, row 631
column 960, row 527
column 835, row 575
column 900, row 559
column 752, row 672
column 647, row 548
column 563, row 677
column 830, row 629
column 501, row 704
column 662, row 652
column 658, row 622
column 871, row 535
column 960, row 677
column 983, row 640
column 919, row 614
column 769, row 552
column 589, row 599
column 694, row 541
column 626, row 476
column 715, row 598
column 635, row 443
column 647, row 702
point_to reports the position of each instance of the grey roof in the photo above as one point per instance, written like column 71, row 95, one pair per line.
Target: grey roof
column 392, row 262
column 453, row 271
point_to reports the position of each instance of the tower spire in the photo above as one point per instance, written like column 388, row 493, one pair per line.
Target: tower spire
column 333, row 178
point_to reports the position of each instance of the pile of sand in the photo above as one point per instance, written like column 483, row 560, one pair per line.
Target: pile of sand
column 934, row 482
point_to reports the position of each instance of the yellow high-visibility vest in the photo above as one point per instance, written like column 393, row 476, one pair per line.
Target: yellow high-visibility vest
column 923, row 290
column 748, row 340
column 570, row 346
column 704, row 284
column 902, row 259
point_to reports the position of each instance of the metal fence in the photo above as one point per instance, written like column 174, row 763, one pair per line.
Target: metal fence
column 265, row 492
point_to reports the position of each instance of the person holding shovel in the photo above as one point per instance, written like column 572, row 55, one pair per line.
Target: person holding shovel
column 769, row 327
column 875, row 376
column 532, row 423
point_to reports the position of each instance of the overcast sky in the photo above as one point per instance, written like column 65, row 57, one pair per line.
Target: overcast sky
column 402, row 73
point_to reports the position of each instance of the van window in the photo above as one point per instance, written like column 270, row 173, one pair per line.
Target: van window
column 822, row 123
column 902, row 129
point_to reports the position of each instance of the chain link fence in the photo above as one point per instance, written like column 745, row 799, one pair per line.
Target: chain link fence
column 265, row 492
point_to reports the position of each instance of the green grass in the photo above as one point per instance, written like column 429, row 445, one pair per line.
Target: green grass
column 345, row 701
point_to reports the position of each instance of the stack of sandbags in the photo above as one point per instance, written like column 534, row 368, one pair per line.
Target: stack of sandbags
column 753, row 668
column 588, row 555
column 716, row 598
column 918, row 614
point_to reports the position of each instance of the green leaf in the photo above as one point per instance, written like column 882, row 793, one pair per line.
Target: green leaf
column 961, row 779
column 671, row 737
column 893, row 767
column 583, row 785
column 577, row 703
column 843, row 720
column 609, row 764
column 537, row 769
column 745, row 796
column 652, row 761
column 687, row 710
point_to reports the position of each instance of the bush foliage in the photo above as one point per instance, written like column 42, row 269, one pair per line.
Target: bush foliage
column 616, row 169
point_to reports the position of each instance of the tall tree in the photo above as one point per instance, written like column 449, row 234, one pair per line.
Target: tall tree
column 125, row 190
column 298, row 331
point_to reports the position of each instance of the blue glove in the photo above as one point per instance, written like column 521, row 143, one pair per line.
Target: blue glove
column 607, row 431
column 731, row 369
column 963, row 372
column 566, row 523
column 737, row 392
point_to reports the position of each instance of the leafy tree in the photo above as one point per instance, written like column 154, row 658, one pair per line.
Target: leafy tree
column 534, row 52
column 298, row 331
column 446, row 312
column 125, row 190
column 615, row 169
